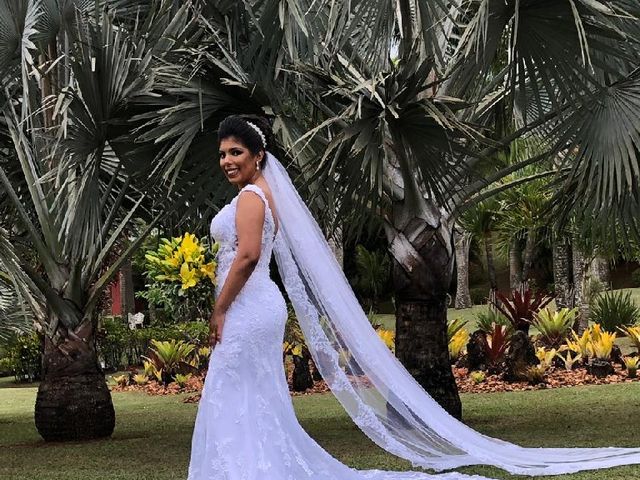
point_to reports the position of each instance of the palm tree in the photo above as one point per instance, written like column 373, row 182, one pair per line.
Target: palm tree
column 68, row 193
column 480, row 221
column 413, row 139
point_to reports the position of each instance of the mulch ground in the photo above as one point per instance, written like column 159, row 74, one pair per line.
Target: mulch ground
column 554, row 378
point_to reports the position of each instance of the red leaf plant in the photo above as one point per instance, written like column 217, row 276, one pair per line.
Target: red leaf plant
column 496, row 344
column 521, row 308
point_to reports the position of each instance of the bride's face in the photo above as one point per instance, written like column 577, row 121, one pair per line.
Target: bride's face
column 237, row 161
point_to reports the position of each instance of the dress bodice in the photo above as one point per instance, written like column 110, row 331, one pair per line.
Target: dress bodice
column 223, row 231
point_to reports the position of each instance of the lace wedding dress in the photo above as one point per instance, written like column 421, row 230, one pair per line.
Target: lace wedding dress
column 246, row 428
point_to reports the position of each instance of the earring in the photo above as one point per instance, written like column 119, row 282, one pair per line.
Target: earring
column 257, row 165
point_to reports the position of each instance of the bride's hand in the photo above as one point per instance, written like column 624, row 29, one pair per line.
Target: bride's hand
column 216, row 325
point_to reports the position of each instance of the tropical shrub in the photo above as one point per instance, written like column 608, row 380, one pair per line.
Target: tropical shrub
column 545, row 357
column 496, row 344
column 631, row 364
column 633, row 334
column 6, row 367
column 602, row 345
column 535, row 374
column 521, row 307
column 26, row 357
column 569, row 358
column 454, row 326
column 554, row 326
column 140, row 379
column 388, row 337
column 122, row 380
column 485, row 320
column 120, row 347
column 457, row 344
column 614, row 309
column 181, row 277
column 478, row 377
column 372, row 275
column 169, row 359
column 479, row 295
column 182, row 379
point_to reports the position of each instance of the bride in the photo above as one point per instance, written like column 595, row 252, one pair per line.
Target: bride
column 246, row 428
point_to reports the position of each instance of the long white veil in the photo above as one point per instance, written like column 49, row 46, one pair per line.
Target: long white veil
column 379, row 394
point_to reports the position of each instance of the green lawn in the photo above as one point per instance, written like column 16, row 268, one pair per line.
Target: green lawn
column 152, row 437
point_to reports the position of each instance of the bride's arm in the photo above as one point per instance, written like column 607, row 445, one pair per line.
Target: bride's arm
column 250, row 217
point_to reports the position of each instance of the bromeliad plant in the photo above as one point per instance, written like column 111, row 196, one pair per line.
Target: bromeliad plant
column 496, row 344
column 554, row 326
column 521, row 308
column 181, row 276
column 633, row 334
column 167, row 359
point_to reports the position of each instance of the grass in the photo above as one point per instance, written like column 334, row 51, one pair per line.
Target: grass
column 153, row 434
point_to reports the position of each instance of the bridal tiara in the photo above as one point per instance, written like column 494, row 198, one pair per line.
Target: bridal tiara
column 259, row 132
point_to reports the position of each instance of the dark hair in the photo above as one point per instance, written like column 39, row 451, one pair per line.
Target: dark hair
column 236, row 126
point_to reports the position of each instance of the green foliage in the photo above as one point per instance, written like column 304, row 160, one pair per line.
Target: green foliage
column 372, row 274
column 180, row 277
column 6, row 367
column 479, row 295
column 170, row 358
column 485, row 320
column 535, row 374
column 614, row 309
column 521, row 307
column 554, row 326
column 635, row 278
column 478, row 377
column 293, row 342
column 26, row 357
column 120, row 347
column 496, row 344
column 182, row 379
column 454, row 326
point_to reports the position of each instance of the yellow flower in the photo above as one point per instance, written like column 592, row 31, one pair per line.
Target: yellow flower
column 387, row 336
column 209, row 269
column 188, row 276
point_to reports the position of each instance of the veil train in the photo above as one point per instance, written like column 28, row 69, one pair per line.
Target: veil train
column 377, row 392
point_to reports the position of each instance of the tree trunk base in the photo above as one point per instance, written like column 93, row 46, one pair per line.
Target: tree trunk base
column 74, row 408
column 421, row 334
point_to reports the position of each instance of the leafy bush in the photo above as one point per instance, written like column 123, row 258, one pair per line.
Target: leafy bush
column 613, row 310
column 458, row 343
column 6, row 367
column 169, row 359
column 479, row 295
column 602, row 346
column 487, row 318
column 569, row 358
column 546, row 356
column 496, row 344
column 372, row 276
column 140, row 379
column 478, row 377
column 521, row 307
column 388, row 337
column 633, row 333
column 25, row 356
column 120, row 347
column 554, row 326
column 454, row 326
column 181, row 276
column 181, row 379
column 535, row 374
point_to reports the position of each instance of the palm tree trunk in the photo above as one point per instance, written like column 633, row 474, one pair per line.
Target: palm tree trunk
column 601, row 271
column 581, row 301
column 562, row 270
column 423, row 256
column 515, row 264
column 462, row 240
column 73, row 401
column 529, row 248
column 491, row 264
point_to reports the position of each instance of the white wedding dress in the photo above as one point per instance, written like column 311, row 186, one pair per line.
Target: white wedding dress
column 246, row 428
